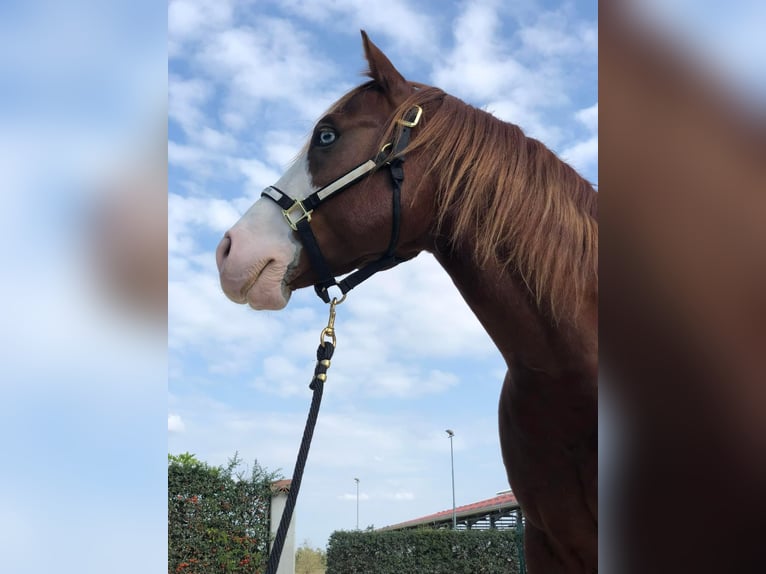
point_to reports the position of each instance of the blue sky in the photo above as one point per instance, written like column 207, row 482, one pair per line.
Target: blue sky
column 246, row 82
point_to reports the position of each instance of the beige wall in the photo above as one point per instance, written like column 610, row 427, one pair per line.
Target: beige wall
column 287, row 562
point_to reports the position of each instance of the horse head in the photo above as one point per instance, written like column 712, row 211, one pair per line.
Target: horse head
column 263, row 258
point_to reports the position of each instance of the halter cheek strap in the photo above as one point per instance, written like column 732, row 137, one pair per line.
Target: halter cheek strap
column 298, row 212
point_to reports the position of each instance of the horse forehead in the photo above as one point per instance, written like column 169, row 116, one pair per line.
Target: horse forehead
column 366, row 101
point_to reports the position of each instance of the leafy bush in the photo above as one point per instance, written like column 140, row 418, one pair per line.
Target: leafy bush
column 310, row 560
column 424, row 551
column 218, row 521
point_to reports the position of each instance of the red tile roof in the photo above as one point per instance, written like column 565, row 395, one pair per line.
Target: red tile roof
column 499, row 502
column 281, row 486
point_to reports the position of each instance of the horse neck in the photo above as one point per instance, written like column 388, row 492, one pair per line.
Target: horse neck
column 495, row 291
column 523, row 334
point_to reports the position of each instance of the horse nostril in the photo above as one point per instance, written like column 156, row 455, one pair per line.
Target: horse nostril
column 223, row 250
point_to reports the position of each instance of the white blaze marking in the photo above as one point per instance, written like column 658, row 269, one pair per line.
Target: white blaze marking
column 296, row 181
column 264, row 248
column 264, row 219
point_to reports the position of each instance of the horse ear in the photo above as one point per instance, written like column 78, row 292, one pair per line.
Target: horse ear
column 384, row 74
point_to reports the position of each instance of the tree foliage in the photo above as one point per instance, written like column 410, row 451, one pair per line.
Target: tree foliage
column 310, row 560
column 218, row 519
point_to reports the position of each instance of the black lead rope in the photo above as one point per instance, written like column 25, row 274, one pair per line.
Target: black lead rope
column 298, row 216
column 324, row 354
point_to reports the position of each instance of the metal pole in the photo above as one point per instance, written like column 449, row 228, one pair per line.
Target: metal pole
column 450, row 433
column 357, row 503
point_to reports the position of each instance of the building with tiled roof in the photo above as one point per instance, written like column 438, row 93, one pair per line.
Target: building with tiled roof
column 281, row 486
column 499, row 512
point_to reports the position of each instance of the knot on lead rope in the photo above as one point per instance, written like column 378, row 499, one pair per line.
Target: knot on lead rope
column 324, row 354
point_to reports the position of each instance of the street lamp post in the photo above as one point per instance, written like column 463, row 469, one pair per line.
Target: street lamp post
column 357, row 503
column 450, row 434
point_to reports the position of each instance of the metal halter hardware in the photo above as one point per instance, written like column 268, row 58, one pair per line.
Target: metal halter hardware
column 297, row 212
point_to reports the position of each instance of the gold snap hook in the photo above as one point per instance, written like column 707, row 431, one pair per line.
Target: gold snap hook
column 329, row 331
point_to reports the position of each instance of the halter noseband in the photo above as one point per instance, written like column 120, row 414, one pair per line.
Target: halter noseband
column 298, row 212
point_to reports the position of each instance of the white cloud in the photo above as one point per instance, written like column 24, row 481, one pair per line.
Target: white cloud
column 411, row 31
column 349, row 496
column 239, row 69
column 395, row 496
column 534, row 124
column 175, row 423
column 416, row 308
column 400, row 496
column 257, row 176
column 387, row 332
column 386, row 329
column 200, row 318
column 283, row 146
column 523, row 78
column 215, row 140
column 374, row 374
column 283, row 376
column 272, row 61
column 393, row 443
column 477, row 67
column 189, row 157
column 557, row 34
column 583, row 154
column 185, row 101
column 589, row 117
column 188, row 215
column 191, row 19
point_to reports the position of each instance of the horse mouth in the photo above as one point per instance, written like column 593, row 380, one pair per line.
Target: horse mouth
column 248, row 286
column 264, row 289
column 298, row 279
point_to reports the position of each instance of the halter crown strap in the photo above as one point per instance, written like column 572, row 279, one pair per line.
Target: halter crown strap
column 298, row 212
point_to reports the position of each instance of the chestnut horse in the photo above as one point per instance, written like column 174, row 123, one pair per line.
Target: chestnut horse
column 513, row 226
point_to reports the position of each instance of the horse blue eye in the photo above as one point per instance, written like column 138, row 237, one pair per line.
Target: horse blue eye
column 326, row 137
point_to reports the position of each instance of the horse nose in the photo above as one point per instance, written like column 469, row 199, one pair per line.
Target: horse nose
column 223, row 250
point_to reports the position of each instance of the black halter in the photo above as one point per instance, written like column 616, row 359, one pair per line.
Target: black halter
column 298, row 212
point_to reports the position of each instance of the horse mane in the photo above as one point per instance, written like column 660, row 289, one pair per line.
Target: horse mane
column 507, row 197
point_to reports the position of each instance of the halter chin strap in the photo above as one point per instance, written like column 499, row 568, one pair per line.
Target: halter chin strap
column 298, row 212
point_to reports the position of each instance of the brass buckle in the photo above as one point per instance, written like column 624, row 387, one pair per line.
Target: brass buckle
column 301, row 214
column 413, row 123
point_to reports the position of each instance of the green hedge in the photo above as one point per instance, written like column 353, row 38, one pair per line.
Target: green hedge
column 218, row 519
column 424, row 551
